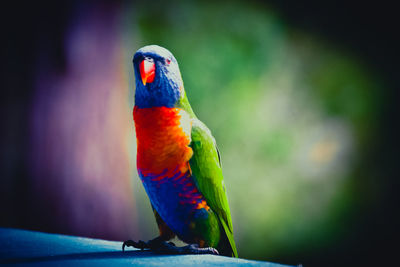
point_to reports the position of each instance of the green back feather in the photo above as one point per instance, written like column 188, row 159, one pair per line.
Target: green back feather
column 207, row 174
column 206, row 168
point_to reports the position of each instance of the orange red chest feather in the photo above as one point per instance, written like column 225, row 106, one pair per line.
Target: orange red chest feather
column 163, row 138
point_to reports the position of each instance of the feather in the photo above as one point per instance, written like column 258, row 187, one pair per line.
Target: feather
column 207, row 175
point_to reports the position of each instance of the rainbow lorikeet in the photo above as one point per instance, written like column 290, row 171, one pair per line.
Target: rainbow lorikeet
column 178, row 162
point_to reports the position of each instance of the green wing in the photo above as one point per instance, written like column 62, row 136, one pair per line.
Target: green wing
column 207, row 174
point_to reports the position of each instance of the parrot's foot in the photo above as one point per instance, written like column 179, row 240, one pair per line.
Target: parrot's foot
column 160, row 246
column 130, row 243
column 194, row 249
column 151, row 244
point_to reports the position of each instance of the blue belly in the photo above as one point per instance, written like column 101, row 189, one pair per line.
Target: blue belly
column 176, row 200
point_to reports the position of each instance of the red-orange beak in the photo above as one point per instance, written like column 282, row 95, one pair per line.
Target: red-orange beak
column 147, row 70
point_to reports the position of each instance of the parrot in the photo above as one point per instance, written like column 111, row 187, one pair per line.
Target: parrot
column 178, row 162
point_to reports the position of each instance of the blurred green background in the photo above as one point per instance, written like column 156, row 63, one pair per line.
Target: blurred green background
column 292, row 115
column 299, row 112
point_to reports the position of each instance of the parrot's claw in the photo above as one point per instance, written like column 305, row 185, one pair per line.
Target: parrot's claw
column 130, row 243
column 194, row 249
column 163, row 247
column 160, row 246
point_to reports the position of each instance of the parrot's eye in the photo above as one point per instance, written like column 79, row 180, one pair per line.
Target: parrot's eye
column 168, row 61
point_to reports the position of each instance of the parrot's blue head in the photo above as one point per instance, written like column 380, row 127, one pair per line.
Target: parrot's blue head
column 158, row 79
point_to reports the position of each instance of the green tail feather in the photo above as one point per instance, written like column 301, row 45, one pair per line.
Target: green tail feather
column 229, row 235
